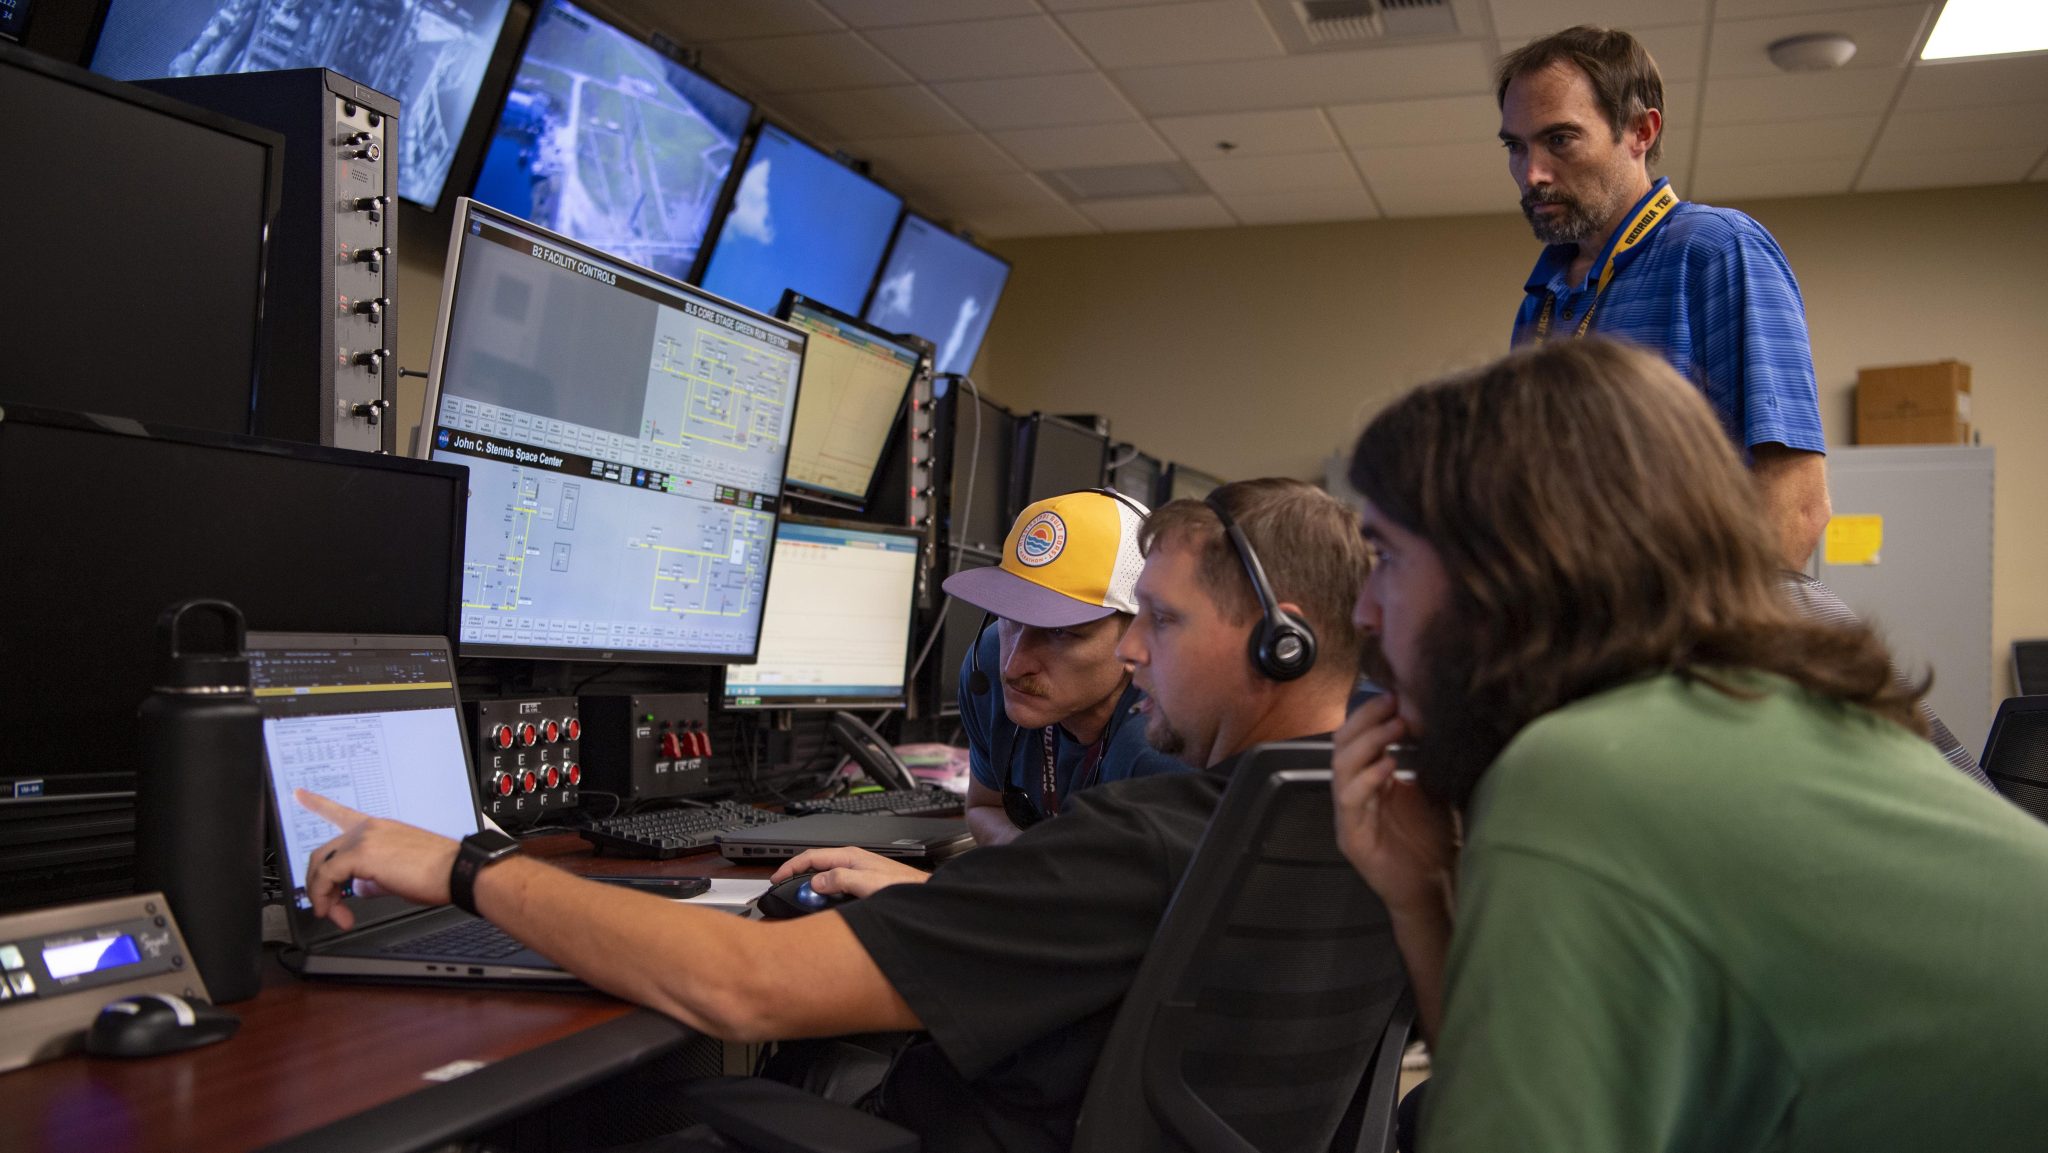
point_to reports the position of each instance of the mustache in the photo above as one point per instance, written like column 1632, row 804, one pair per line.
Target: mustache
column 1026, row 686
column 1536, row 196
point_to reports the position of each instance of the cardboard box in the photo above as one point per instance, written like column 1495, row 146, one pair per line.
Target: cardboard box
column 1914, row 404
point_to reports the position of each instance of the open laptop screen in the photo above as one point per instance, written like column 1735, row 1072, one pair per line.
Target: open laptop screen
column 371, row 722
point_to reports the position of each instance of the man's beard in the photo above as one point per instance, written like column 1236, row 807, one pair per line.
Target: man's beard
column 1460, row 737
column 1575, row 225
column 1162, row 736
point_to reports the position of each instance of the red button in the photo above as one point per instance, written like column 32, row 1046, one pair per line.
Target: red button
column 528, row 735
column 554, row 777
column 502, row 785
column 671, row 746
column 575, row 773
column 528, row 781
column 503, row 736
column 574, row 728
column 554, row 732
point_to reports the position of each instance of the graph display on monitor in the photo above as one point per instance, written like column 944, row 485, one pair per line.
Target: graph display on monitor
column 800, row 221
column 837, row 630
column 1062, row 457
column 626, row 437
column 430, row 55
column 604, row 139
column 854, row 382
column 941, row 288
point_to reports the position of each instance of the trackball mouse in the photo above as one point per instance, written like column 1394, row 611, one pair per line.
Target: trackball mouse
column 794, row 897
column 151, row 1023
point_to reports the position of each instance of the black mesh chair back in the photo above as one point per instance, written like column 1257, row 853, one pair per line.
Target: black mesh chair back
column 2030, row 668
column 1271, row 1011
column 2016, row 753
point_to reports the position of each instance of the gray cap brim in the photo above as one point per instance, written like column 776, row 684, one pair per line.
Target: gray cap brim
column 1013, row 598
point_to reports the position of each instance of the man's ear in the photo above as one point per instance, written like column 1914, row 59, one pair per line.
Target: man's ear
column 1644, row 131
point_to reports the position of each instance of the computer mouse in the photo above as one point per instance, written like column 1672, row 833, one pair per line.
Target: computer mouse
column 794, row 897
column 151, row 1023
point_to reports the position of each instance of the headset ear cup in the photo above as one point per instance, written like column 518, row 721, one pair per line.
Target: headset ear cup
column 1283, row 647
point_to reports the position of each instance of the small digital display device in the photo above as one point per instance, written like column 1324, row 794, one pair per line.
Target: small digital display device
column 837, row 633
column 855, row 379
column 941, row 288
column 95, row 956
column 626, row 437
column 605, row 139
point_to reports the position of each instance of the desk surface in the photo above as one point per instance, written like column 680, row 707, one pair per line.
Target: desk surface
column 333, row 1066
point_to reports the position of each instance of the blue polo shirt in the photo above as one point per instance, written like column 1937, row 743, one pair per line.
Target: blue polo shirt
column 1708, row 290
column 991, row 734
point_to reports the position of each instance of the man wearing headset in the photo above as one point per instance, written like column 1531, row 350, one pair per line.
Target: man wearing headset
column 1013, row 958
column 1048, row 706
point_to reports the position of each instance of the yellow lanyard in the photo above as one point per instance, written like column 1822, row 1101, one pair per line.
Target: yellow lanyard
column 1647, row 220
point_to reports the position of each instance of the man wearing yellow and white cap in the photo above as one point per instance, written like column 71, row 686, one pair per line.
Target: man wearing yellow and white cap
column 1044, row 699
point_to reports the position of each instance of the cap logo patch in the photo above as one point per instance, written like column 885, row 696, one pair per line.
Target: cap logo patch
column 1043, row 539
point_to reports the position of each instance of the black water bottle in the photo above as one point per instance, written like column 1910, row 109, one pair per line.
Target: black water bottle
column 199, row 796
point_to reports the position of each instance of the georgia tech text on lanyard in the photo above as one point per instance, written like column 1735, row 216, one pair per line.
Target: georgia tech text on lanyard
column 1646, row 221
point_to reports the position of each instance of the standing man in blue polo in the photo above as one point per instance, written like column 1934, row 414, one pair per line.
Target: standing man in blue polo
column 1047, row 706
column 1582, row 116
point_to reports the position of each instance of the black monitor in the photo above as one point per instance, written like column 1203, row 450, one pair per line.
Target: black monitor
column 800, row 220
column 855, row 380
column 111, row 520
column 961, row 626
column 1135, row 474
column 1057, row 456
column 940, row 287
column 837, row 631
column 430, row 56
column 605, row 139
column 1184, row 483
column 980, row 436
column 625, row 435
column 134, row 277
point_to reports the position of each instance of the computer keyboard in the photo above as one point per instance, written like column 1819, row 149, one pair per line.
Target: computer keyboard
column 904, row 803
column 476, row 940
column 666, row 833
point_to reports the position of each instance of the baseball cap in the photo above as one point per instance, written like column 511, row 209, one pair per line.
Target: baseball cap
column 1067, row 561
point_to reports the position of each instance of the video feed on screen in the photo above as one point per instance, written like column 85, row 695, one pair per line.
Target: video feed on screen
column 430, row 54
column 940, row 287
column 604, row 139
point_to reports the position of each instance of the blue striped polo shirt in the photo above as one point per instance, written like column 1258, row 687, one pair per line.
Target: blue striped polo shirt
column 1710, row 291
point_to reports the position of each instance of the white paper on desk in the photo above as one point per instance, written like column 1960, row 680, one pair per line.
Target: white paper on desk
column 733, row 894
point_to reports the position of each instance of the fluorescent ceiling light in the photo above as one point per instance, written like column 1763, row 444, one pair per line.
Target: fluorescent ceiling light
column 1988, row 28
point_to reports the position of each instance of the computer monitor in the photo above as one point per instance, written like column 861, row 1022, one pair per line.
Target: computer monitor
column 941, row 288
column 855, row 379
column 1135, row 474
column 960, row 626
column 604, row 139
column 625, row 435
column 432, row 57
column 980, row 436
column 837, row 632
column 800, row 221
column 1184, row 483
column 1059, row 456
column 111, row 521
column 106, row 180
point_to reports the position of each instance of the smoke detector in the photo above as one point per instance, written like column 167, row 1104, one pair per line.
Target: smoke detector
column 1813, row 52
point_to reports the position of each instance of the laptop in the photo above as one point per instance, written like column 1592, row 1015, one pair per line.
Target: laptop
column 374, row 723
column 915, row 839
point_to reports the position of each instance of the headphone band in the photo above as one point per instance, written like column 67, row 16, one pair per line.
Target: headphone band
column 1269, row 605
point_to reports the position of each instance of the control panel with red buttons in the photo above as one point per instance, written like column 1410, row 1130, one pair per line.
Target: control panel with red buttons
column 644, row 745
column 529, row 758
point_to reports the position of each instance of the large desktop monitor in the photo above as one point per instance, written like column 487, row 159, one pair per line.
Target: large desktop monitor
column 1135, row 474
column 980, row 436
column 105, row 180
column 855, row 379
column 837, row 632
column 431, row 56
column 800, row 221
column 604, row 139
column 626, row 436
column 1057, row 456
column 941, row 288
column 1185, row 483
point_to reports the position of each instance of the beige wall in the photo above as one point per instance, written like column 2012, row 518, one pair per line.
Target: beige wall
column 1261, row 350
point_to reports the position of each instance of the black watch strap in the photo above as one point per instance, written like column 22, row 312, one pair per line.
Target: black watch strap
column 479, row 851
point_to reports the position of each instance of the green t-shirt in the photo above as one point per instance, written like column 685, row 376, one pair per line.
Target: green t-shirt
column 1693, row 922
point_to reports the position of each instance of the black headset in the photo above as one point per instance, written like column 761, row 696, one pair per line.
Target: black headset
column 1283, row 645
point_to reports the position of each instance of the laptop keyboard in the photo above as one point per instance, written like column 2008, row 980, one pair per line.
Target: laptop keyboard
column 472, row 940
column 666, row 833
column 905, row 803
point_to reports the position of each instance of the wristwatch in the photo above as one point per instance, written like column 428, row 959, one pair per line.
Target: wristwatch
column 479, row 851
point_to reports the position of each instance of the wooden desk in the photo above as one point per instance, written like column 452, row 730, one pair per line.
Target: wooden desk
column 343, row 1067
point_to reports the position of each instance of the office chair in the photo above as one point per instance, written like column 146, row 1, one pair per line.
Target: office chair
column 1269, row 1014
column 2016, row 753
column 2030, row 668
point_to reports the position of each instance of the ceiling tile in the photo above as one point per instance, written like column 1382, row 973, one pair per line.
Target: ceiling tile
column 705, row 21
column 1038, row 101
column 2019, row 128
column 1525, row 20
column 1963, row 83
column 1174, row 33
column 962, row 193
column 1300, row 81
column 1047, row 220
column 1850, row 92
column 1396, row 122
column 980, row 49
column 1308, row 172
column 1158, row 213
column 1432, row 196
column 889, row 13
column 1252, row 133
column 962, row 153
column 899, row 110
column 1786, row 140
column 1885, row 38
column 804, row 63
column 1675, row 46
column 1675, row 155
column 1484, row 166
column 1302, row 207
column 1091, row 5
column 1749, row 9
column 1084, row 145
column 1784, row 178
column 1892, row 168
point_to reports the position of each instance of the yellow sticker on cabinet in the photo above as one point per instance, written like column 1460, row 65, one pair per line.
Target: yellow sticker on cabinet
column 1853, row 540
